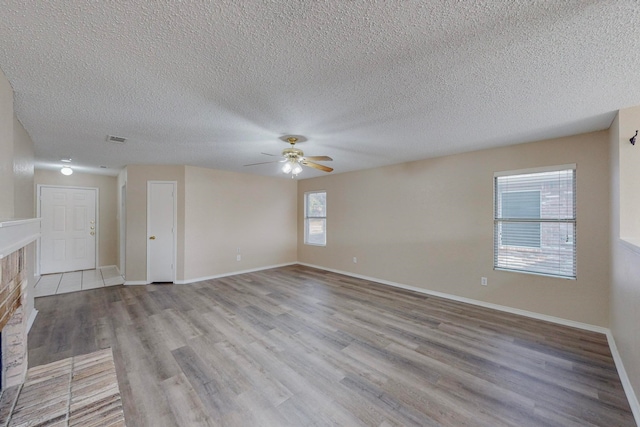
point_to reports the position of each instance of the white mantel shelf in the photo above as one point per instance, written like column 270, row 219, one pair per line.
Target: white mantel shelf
column 17, row 233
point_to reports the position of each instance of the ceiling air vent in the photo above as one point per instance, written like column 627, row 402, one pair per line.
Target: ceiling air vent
column 116, row 139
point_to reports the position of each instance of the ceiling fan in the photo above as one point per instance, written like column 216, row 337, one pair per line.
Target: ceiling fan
column 293, row 159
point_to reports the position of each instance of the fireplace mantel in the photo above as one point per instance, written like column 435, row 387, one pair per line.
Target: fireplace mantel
column 17, row 233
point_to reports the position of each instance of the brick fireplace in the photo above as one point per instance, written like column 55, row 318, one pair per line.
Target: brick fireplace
column 15, row 236
column 12, row 322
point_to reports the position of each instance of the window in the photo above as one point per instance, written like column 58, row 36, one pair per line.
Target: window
column 535, row 221
column 315, row 218
column 521, row 204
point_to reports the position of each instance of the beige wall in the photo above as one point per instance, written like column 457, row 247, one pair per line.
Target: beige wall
column 629, row 171
column 16, row 176
column 6, row 148
column 225, row 211
column 429, row 224
column 107, row 243
column 24, row 200
column 136, row 218
column 23, row 154
column 217, row 213
column 625, row 257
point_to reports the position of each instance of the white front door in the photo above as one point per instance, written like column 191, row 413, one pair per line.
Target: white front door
column 68, row 229
column 161, row 220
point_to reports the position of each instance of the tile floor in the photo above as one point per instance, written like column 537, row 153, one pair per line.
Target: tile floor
column 62, row 283
column 78, row 391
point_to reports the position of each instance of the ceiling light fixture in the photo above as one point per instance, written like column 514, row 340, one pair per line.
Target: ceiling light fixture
column 293, row 158
column 292, row 166
column 66, row 160
column 66, row 170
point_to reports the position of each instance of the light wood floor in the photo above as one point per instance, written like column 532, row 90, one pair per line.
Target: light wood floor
column 296, row 346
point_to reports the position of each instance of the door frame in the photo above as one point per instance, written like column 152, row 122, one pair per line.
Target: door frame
column 175, row 226
column 38, row 213
column 122, row 232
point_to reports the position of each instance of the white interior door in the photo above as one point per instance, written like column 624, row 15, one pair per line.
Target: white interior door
column 68, row 229
column 161, row 223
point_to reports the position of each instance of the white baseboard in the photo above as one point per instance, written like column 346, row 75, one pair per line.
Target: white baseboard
column 626, row 383
column 507, row 309
column 624, row 378
column 109, row 266
column 233, row 273
column 216, row 276
column 31, row 319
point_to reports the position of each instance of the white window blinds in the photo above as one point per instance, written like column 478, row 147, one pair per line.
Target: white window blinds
column 535, row 221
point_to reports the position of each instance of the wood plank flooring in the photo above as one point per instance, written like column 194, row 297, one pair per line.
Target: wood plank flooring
column 296, row 346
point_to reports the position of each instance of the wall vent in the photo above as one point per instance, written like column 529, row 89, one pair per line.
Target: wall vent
column 116, row 139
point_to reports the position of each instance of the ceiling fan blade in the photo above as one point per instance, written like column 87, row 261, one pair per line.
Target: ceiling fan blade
column 263, row 163
column 316, row 166
column 319, row 158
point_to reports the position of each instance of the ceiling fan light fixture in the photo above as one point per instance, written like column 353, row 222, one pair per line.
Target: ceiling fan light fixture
column 294, row 159
column 292, row 167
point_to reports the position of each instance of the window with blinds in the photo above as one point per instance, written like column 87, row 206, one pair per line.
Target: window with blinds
column 535, row 221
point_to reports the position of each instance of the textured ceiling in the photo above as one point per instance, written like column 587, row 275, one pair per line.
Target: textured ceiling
column 369, row 83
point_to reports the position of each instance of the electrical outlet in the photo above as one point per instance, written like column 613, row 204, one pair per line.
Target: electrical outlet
column 483, row 281
column 238, row 257
column 355, row 260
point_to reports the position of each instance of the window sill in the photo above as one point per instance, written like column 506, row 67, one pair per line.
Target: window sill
column 555, row 276
column 631, row 244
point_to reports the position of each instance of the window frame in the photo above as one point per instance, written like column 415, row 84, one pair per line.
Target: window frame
column 307, row 217
column 499, row 220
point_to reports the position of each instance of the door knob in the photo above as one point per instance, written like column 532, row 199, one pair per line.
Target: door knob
column 152, row 238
